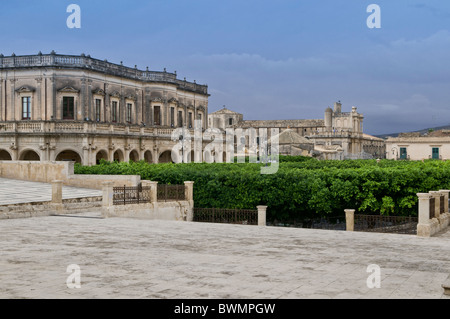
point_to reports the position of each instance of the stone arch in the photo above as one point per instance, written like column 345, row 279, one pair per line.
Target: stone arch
column 29, row 155
column 165, row 157
column 148, row 156
column 5, row 155
column 69, row 155
column 101, row 155
column 118, row 156
column 134, row 156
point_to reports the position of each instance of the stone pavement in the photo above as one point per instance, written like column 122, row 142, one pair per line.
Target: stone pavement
column 18, row 192
column 128, row 258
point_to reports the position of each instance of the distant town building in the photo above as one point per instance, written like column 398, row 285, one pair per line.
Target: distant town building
column 338, row 136
column 417, row 146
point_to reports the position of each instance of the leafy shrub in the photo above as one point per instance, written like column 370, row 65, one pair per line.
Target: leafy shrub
column 302, row 187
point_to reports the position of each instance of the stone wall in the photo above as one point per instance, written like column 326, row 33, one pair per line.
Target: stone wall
column 46, row 172
column 176, row 211
column 39, row 209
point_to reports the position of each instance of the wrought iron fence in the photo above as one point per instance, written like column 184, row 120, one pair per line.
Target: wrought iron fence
column 432, row 208
column 328, row 223
column 386, row 224
column 228, row 216
column 131, row 195
column 167, row 193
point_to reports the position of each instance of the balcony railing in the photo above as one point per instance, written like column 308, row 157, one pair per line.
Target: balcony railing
column 58, row 127
column 86, row 62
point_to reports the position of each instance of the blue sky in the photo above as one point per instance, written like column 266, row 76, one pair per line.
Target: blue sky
column 281, row 59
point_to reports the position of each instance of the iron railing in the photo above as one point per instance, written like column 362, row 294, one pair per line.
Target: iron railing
column 328, row 223
column 432, row 208
column 167, row 193
column 386, row 224
column 131, row 195
column 227, row 216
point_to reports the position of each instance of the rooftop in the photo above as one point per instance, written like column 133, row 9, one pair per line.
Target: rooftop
column 86, row 62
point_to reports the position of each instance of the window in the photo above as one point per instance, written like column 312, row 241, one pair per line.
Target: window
column 172, row 117
column 114, row 111
column 157, row 115
column 435, row 153
column 129, row 112
column 190, row 119
column 230, row 121
column 26, row 108
column 180, row 118
column 403, row 153
column 68, row 108
column 98, row 108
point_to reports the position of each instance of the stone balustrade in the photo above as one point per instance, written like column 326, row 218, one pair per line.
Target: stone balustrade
column 88, row 63
column 58, row 127
column 433, row 212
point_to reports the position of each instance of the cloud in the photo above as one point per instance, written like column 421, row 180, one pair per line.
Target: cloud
column 396, row 85
column 439, row 13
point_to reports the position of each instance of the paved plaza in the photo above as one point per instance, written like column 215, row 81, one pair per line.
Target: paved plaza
column 129, row 258
column 18, row 192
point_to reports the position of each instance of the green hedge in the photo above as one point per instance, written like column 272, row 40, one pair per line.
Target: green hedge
column 302, row 188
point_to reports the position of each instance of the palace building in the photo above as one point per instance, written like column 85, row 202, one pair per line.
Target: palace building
column 338, row 136
column 57, row 107
column 63, row 107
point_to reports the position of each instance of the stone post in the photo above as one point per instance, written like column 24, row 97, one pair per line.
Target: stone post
column 262, row 215
column 424, row 224
column 108, row 195
column 154, row 190
column 350, row 219
column 56, row 202
column 56, row 192
column 149, row 184
column 189, row 196
column 189, row 192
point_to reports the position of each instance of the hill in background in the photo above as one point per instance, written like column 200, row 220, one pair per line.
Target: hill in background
column 446, row 127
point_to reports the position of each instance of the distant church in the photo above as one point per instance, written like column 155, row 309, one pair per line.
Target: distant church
column 338, row 136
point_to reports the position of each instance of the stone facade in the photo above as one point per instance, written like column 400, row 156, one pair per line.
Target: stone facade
column 338, row 136
column 414, row 146
column 61, row 107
